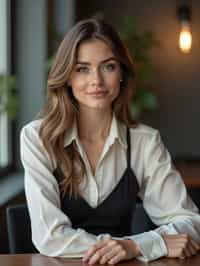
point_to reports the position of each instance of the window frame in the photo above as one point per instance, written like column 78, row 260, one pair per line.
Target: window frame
column 6, row 162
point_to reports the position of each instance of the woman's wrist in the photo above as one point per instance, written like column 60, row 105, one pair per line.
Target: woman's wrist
column 133, row 247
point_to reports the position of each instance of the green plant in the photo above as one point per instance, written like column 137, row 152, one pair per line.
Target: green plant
column 139, row 46
column 8, row 97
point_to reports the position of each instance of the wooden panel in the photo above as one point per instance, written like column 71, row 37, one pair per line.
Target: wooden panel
column 190, row 172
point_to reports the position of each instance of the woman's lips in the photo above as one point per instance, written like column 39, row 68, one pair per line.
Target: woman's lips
column 98, row 94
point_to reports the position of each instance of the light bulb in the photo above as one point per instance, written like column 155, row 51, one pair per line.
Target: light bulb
column 185, row 39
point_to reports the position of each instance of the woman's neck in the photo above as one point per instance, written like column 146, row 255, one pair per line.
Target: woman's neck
column 94, row 125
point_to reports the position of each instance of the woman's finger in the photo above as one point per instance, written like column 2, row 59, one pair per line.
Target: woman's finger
column 186, row 247
column 109, row 246
column 192, row 247
column 187, row 252
column 94, row 259
column 110, row 254
column 94, row 249
column 120, row 256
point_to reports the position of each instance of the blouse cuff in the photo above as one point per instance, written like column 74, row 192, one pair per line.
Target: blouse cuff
column 151, row 244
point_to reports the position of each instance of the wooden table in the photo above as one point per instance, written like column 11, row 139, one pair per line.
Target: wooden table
column 40, row 260
column 190, row 171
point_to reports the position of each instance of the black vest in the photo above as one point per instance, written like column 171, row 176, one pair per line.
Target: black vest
column 114, row 215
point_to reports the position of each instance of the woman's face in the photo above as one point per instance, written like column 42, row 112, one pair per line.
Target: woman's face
column 95, row 78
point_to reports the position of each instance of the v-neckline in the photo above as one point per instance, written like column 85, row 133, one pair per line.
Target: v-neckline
column 110, row 194
column 104, row 151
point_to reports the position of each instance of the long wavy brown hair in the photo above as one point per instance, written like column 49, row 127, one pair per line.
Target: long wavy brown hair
column 61, row 108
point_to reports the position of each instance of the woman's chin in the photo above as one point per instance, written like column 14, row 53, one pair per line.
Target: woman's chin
column 98, row 106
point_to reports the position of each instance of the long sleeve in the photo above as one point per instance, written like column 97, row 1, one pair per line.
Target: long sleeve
column 166, row 201
column 52, row 232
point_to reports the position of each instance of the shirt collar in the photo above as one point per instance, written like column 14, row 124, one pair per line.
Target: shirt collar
column 117, row 132
column 71, row 134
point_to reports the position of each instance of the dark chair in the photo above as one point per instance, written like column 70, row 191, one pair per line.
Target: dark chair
column 19, row 229
column 194, row 193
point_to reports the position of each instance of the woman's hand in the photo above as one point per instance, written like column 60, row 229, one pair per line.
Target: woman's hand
column 180, row 246
column 111, row 251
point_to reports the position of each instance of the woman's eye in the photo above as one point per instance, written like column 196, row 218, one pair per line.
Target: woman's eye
column 109, row 67
column 82, row 69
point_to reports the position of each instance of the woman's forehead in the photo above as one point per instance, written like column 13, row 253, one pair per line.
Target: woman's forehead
column 94, row 50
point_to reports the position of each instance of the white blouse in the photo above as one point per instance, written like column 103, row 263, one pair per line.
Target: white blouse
column 161, row 189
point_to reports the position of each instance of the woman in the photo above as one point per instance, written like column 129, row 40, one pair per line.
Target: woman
column 86, row 160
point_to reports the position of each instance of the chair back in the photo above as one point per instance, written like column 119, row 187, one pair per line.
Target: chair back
column 19, row 229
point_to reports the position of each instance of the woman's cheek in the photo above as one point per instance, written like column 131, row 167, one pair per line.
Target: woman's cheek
column 116, row 91
column 78, row 85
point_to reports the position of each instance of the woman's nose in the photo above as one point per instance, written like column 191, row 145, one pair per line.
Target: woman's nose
column 96, row 77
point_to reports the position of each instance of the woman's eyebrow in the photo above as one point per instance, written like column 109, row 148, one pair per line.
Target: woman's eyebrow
column 102, row 62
